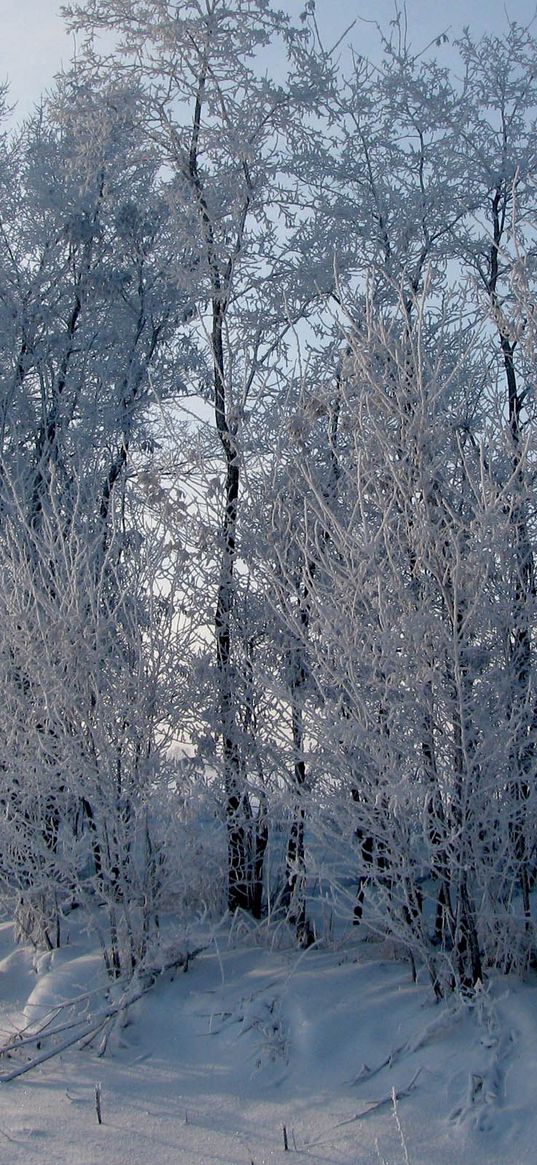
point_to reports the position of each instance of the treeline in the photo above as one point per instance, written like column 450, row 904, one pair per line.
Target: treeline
column 267, row 484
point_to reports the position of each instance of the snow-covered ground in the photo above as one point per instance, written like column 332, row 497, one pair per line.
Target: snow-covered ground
column 216, row 1061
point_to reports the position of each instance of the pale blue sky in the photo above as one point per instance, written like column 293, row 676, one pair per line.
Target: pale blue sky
column 34, row 44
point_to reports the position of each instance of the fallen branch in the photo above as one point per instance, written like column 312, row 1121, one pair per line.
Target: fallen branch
column 17, row 1041
column 84, row 1029
column 373, row 1105
column 438, row 1024
column 370, row 1106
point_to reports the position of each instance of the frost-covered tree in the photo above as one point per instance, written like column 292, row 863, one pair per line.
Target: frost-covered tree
column 422, row 632
column 218, row 125
column 90, row 312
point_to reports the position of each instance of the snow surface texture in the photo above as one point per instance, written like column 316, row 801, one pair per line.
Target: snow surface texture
column 215, row 1062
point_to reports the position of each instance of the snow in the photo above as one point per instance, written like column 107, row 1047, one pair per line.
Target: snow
column 214, row 1062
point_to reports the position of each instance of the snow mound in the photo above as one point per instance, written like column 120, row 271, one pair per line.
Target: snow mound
column 334, row 1053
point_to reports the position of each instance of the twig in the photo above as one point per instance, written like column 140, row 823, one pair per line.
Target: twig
column 98, row 1095
column 400, row 1127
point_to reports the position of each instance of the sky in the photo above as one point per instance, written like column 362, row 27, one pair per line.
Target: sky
column 34, row 44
